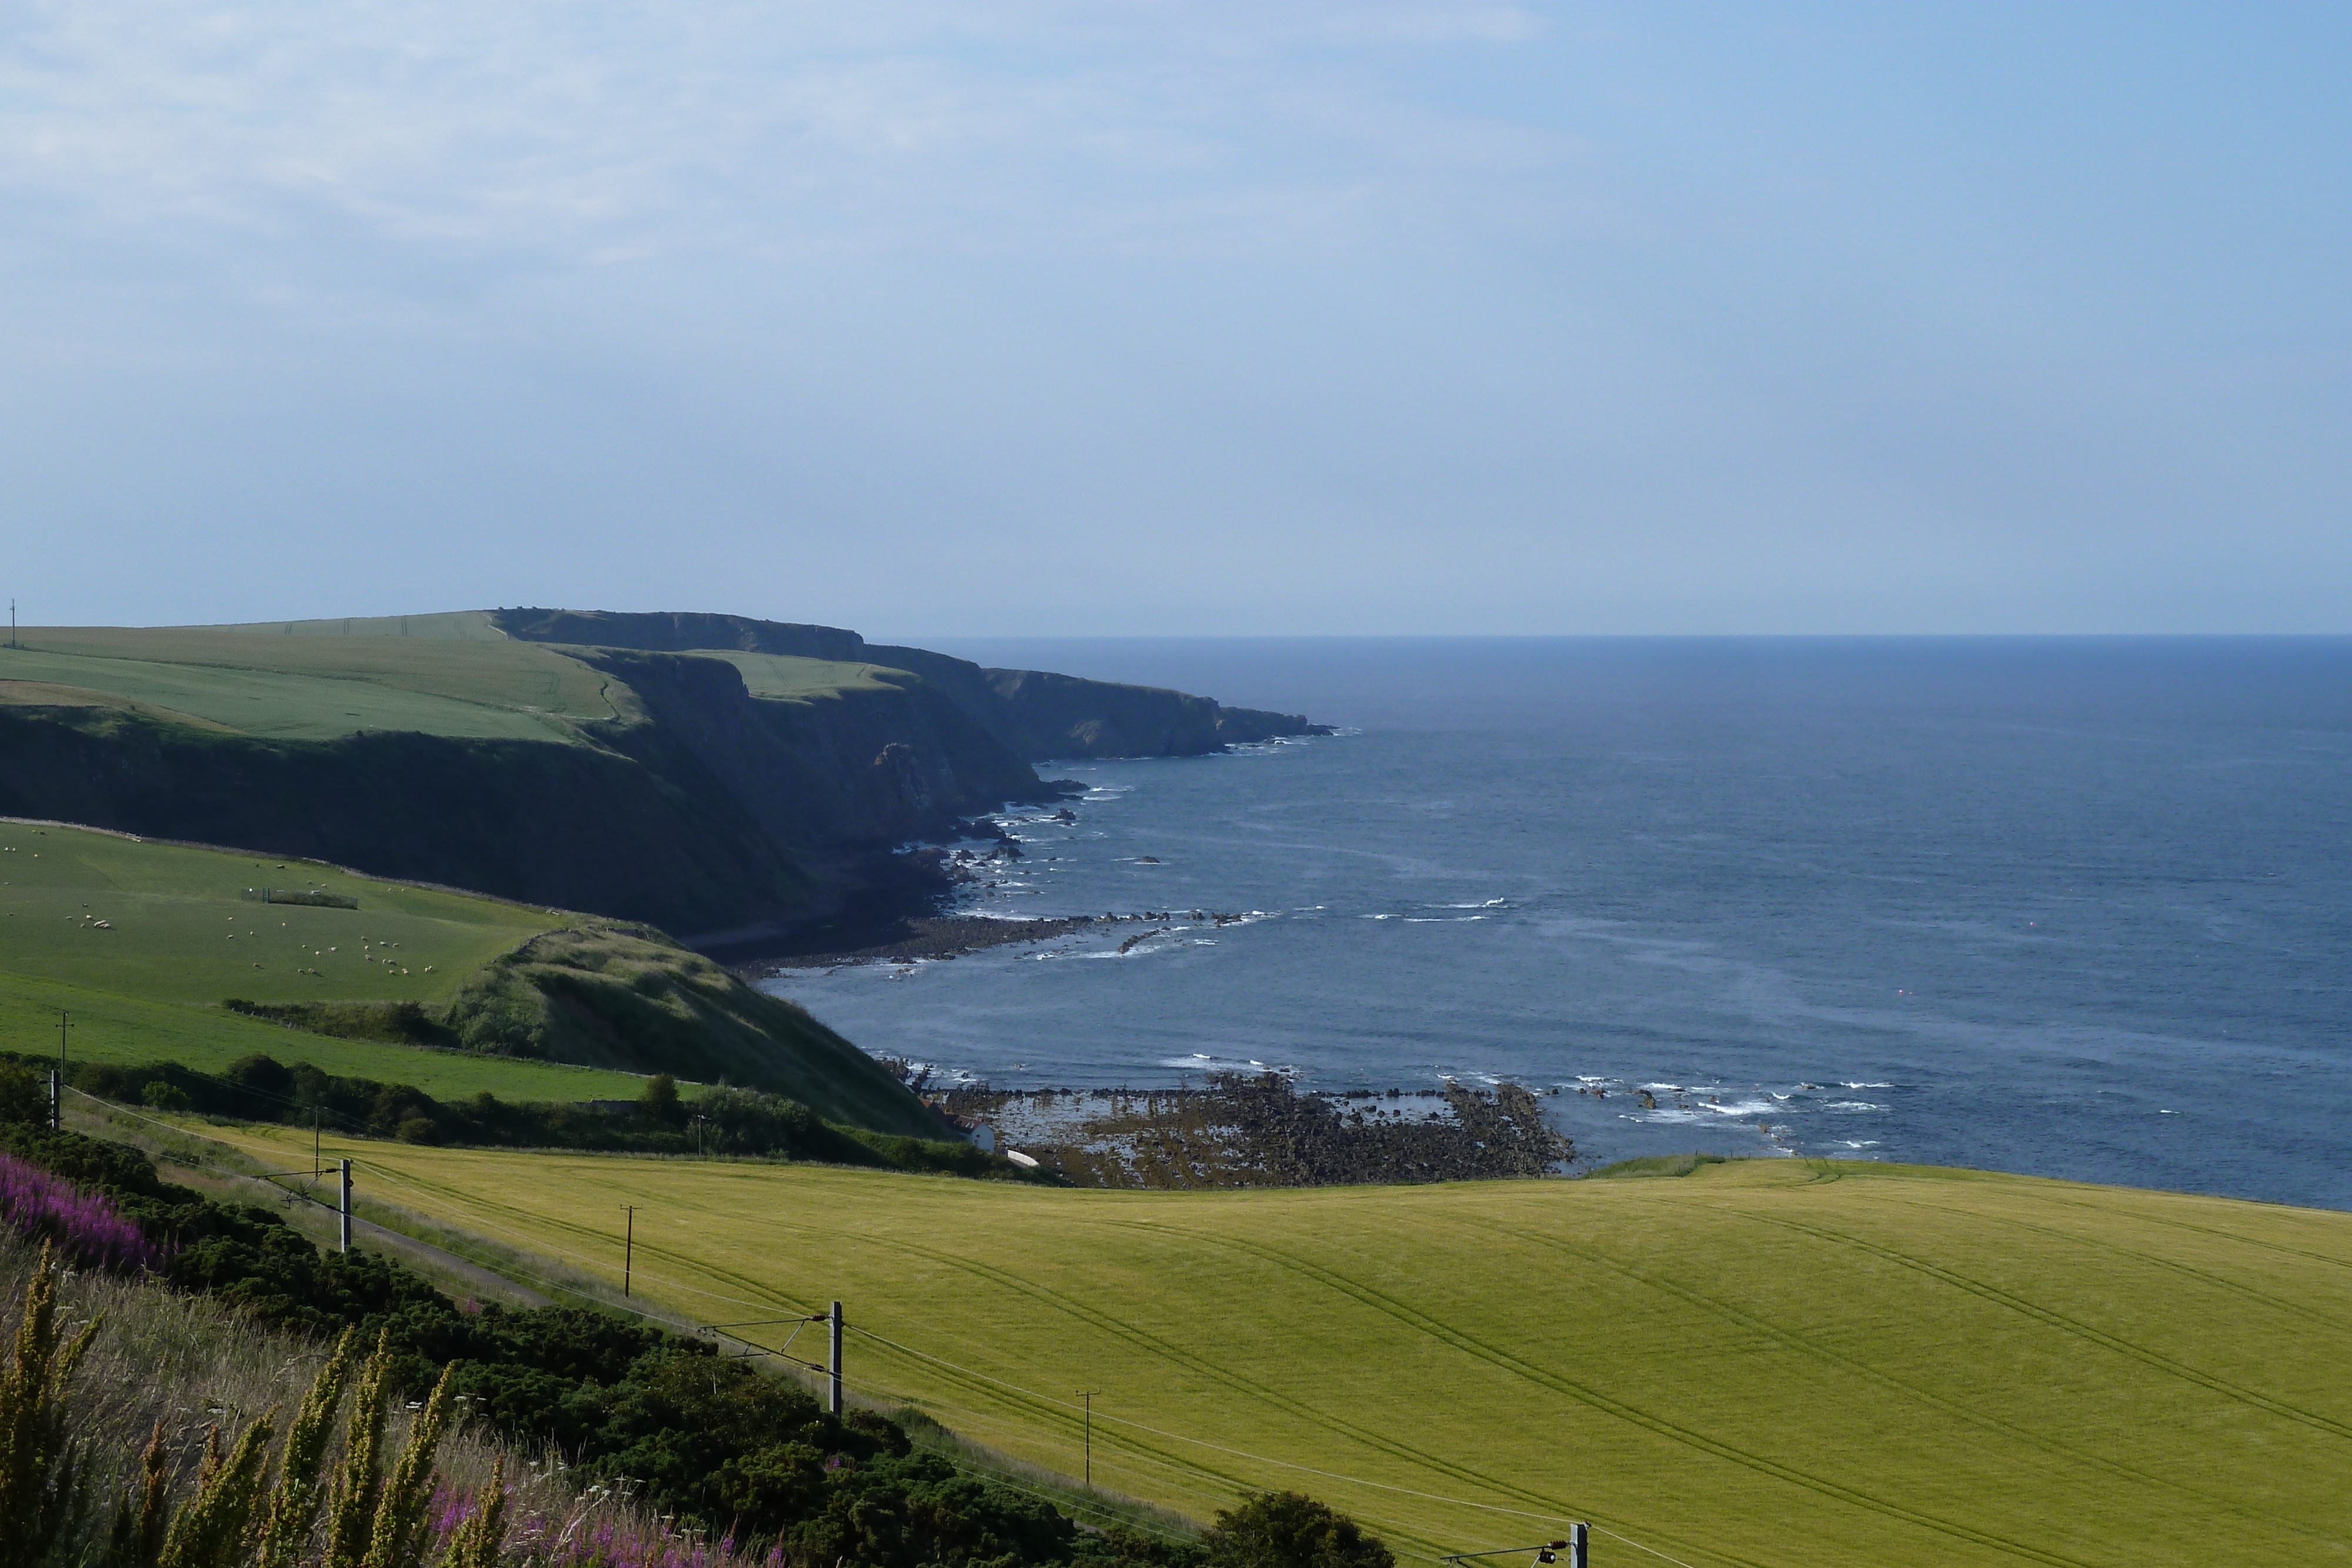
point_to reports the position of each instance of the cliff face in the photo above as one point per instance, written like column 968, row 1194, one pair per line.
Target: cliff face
column 731, row 814
column 675, row 631
column 1034, row 715
column 570, row 826
column 717, row 815
column 857, row 768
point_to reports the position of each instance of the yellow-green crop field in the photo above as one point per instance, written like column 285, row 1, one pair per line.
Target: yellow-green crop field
column 1778, row 1365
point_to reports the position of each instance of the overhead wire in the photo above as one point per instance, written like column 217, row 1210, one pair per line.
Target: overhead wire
column 430, row 1192
column 1257, row 1458
column 524, row 1274
column 1205, row 1443
column 1063, row 1403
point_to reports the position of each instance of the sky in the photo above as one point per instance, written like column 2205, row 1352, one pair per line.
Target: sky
column 1195, row 318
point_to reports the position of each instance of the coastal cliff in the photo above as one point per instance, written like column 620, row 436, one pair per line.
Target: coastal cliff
column 749, row 785
column 1034, row 715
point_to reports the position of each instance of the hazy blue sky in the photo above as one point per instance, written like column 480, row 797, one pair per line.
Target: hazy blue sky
column 1015, row 317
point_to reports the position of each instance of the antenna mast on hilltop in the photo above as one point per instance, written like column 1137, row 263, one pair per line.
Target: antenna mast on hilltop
column 12, row 625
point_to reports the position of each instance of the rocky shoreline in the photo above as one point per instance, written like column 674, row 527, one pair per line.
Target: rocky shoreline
column 919, row 937
column 1261, row 1131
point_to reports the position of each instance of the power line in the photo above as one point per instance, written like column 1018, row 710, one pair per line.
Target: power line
column 1083, row 1410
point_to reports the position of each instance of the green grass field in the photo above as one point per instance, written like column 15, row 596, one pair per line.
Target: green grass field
column 1761, row 1364
column 178, row 937
column 315, row 687
column 781, row 677
column 452, row 674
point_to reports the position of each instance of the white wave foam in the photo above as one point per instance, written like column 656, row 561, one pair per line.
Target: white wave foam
column 1201, row 1061
column 1851, row 1105
column 1865, row 1085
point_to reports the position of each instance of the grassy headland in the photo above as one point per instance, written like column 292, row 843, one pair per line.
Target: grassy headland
column 1764, row 1363
column 164, row 952
column 742, row 783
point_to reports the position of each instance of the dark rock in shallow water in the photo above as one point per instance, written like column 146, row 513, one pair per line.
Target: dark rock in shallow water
column 1246, row 1130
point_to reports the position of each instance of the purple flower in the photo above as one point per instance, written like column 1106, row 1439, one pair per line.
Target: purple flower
column 82, row 1223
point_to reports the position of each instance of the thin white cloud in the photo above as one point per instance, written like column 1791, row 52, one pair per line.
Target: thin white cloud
column 588, row 129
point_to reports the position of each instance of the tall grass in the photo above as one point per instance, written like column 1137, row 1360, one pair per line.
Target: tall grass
column 133, row 1409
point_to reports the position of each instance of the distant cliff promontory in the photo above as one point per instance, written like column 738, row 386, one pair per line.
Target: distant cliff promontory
column 741, row 782
column 1035, row 715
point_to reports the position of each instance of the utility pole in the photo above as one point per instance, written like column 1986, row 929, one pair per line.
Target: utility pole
column 1577, row 1547
column 61, row 1042
column 1088, row 1396
column 316, row 1170
column 345, row 1211
column 56, row 1101
column 12, row 624
column 832, row 1402
column 628, row 1249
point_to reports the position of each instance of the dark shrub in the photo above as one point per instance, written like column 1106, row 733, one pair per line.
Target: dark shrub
column 1285, row 1530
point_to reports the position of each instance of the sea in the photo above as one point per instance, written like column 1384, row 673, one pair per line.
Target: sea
column 2078, row 907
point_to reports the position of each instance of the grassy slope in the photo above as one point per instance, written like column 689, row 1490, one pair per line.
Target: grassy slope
column 110, row 1026
column 619, row 996
column 1766, row 1364
column 148, row 989
column 291, row 687
column 782, row 676
column 180, row 938
column 183, row 931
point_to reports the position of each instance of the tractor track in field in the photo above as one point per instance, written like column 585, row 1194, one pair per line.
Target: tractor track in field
column 1153, row 1345
column 2051, row 1318
column 1035, row 1408
column 1954, row 1408
column 1657, row 1425
column 2242, row 1240
column 1041, row 1411
column 2277, row 1303
column 981, row 1386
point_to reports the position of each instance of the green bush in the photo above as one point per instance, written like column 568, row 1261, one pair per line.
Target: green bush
column 1288, row 1530
column 23, row 1093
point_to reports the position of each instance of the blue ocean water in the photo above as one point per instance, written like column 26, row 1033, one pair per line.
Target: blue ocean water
column 2081, row 907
